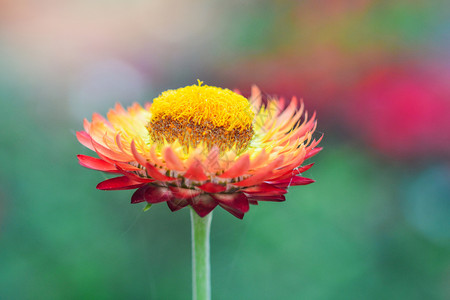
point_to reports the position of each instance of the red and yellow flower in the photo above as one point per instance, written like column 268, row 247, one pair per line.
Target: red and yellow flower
column 203, row 146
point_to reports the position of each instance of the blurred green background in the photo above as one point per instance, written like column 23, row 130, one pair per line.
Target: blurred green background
column 375, row 225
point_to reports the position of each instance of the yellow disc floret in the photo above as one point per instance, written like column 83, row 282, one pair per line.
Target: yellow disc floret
column 202, row 114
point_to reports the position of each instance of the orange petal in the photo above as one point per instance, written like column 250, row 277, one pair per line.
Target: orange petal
column 239, row 167
column 173, row 162
column 212, row 161
column 262, row 174
column 195, row 172
column 259, row 159
column 102, row 150
column 154, row 158
column 85, row 139
column 255, row 179
column 139, row 158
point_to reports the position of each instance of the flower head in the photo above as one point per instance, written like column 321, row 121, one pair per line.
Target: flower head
column 203, row 146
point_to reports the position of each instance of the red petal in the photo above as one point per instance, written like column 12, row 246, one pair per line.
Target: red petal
column 182, row 193
column 139, row 195
column 288, row 173
column 264, row 189
column 305, row 168
column 176, row 204
column 210, row 187
column 154, row 173
column 296, row 180
column 126, row 166
column 155, row 194
column 239, row 168
column 133, row 176
column 195, row 172
column 313, row 152
column 119, row 183
column 275, row 198
column 236, row 201
column 96, row 164
column 203, row 204
column 233, row 211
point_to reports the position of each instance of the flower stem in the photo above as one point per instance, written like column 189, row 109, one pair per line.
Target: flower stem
column 201, row 270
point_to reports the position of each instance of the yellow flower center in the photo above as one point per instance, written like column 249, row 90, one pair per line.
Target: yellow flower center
column 202, row 114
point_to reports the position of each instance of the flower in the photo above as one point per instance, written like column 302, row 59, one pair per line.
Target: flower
column 402, row 111
column 203, row 146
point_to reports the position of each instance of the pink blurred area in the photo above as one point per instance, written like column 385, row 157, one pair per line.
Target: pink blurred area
column 403, row 110
column 73, row 31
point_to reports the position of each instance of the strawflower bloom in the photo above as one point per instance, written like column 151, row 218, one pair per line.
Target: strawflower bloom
column 203, row 146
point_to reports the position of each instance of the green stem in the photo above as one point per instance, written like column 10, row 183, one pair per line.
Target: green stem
column 201, row 270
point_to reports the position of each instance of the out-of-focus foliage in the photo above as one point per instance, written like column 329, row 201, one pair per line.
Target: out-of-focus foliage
column 373, row 226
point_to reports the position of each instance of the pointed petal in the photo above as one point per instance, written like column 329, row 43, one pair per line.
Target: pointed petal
column 173, row 162
column 96, row 164
column 262, row 174
column 85, row 139
column 203, row 204
column 305, row 168
column 102, row 151
column 210, row 187
column 212, row 161
column 275, row 198
column 97, row 118
column 154, row 157
column 264, row 189
column 255, row 179
column 122, row 165
column 177, row 204
column 195, row 172
column 134, row 176
column 236, row 201
column 154, row 173
column 296, row 180
column 182, row 193
column 156, row 194
column 255, row 98
column 139, row 195
column 237, row 213
column 139, row 158
column 119, row 183
column 313, row 152
column 239, row 167
column 259, row 159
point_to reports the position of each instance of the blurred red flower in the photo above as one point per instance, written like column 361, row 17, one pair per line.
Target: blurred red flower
column 403, row 111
